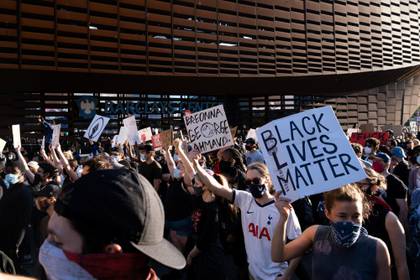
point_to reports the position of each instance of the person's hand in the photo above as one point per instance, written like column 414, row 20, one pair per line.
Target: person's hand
column 194, row 253
column 283, row 205
column 58, row 148
column 18, row 149
column 177, row 144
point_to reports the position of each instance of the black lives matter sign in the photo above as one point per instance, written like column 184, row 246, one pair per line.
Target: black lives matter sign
column 208, row 130
column 308, row 153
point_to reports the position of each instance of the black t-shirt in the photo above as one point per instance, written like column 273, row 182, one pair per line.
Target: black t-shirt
column 178, row 202
column 150, row 171
column 395, row 190
column 402, row 171
column 205, row 220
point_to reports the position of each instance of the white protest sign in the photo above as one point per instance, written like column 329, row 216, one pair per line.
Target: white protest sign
column 252, row 133
column 43, row 143
column 96, row 127
column 145, row 134
column 16, row 135
column 2, row 145
column 122, row 136
column 208, row 130
column 131, row 130
column 56, row 135
column 308, row 153
column 114, row 141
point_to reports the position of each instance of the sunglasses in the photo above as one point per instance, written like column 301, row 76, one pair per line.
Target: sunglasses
column 255, row 181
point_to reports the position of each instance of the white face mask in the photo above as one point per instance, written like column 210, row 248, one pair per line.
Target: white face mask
column 142, row 157
column 57, row 266
column 367, row 150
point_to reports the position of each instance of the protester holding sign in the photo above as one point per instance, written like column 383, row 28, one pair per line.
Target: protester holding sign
column 149, row 167
column 342, row 249
column 259, row 217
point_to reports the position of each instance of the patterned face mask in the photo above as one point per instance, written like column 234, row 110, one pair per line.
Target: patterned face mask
column 346, row 233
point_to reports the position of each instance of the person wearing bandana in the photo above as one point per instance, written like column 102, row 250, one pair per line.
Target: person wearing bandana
column 107, row 225
column 342, row 250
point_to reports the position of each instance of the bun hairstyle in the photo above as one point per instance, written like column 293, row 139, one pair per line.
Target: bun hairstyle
column 349, row 192
column 262, row 169
column 375, row 178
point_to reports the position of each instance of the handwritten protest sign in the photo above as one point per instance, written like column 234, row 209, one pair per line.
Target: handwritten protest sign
column 131, row 130
column 208, row 130
column 145, row 134
column 362, row 136
column 96, row 127
column 2, row 145
column 308, row 153
column 56, row 135
column 16, row 135
column 166, row 138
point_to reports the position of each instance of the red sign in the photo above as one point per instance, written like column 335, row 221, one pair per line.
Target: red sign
column 156, row 141
column 362, row 136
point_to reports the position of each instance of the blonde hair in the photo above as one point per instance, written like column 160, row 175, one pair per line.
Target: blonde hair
column 375, row 178
column 263, row 170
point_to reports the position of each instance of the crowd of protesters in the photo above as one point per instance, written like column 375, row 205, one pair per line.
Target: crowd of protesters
column 133, row 212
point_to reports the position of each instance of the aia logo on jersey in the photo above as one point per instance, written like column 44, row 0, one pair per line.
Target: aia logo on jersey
column 259, row 232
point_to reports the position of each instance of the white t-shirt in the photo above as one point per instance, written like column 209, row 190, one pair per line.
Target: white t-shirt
column 258, row 224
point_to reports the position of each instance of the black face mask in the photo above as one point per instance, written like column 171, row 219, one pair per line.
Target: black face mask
column 248, row 147
column 257, row 190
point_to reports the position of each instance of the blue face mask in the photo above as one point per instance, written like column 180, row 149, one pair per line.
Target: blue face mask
column 11, row 179
column 345, row 233
column 177, row 173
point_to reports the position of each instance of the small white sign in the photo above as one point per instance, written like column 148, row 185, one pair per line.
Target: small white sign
column 2, row 145
column 16, row 135
column 131, row 130
column 56, row 135
column 145, row 134
column 96, row 128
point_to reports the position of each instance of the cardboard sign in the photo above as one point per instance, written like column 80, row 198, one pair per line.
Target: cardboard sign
column 131, row 130
column 96, row 127
column 208, row 130
column 145, row 134
column 122, row 135
column 233, row 131
column 56, row 135
column 252, row 133
column 156, row 143
column 362, row 136
column 2, row 145
column 16, row 136
column 308, row 153
column 166, row 138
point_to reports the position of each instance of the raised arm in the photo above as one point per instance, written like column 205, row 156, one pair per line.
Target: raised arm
column 280, row 251
column 22, row 160
column 66, row 166
column 169, row 161
column 45, row 157
column 188, row 166
column 212, row 184
column 56, row 161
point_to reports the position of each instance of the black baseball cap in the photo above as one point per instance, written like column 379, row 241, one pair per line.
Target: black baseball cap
column 124, row 204
column 250, row 141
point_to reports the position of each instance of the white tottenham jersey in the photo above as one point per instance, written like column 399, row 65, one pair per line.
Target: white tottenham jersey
column 258, row 224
